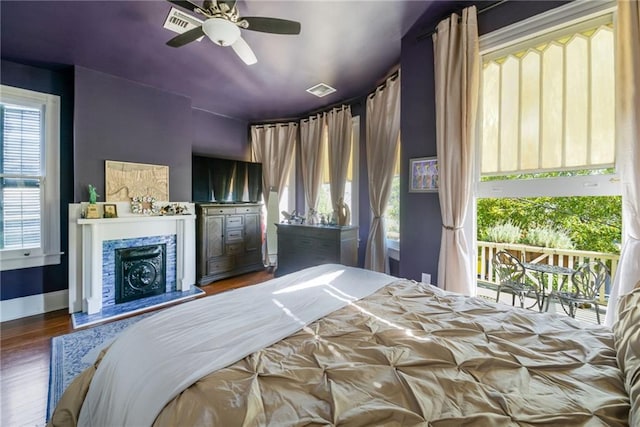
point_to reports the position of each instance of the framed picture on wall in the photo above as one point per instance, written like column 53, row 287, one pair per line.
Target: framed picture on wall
column 423, row 175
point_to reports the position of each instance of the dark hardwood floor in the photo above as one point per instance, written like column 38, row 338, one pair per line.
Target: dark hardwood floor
column 25, row 347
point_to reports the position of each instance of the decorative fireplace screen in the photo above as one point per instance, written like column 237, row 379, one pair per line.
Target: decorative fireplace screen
column 140, row 272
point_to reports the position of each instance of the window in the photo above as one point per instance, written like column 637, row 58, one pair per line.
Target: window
column 548, row 105
column 287, row 201
column 351, row 186
column 547, row 132
column 392, row 213
column 29, row 189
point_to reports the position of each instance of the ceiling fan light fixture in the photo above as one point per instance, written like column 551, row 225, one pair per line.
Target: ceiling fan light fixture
column 221, row 31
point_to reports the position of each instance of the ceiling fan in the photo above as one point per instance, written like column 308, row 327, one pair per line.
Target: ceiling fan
column 223, row 23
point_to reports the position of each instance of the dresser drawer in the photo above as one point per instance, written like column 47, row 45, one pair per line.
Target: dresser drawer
column 235, row 249
column 324, row 245
column 303, row 243
column 219, row 210
column 325, row 233
column 219, row 264
column 234, row 235
column 248, row 209
column 234, row 221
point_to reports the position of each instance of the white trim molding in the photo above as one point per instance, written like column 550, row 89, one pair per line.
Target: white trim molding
column 546, row 22
column 48, row 253
column 17, row 308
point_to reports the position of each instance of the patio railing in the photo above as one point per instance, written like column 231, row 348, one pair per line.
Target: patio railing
column 558, row 257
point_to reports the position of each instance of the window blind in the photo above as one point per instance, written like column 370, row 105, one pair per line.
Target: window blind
column 21, row 177
column 549, row 106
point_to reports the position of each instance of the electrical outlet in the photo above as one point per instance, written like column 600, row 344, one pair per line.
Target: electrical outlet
column 426, row 278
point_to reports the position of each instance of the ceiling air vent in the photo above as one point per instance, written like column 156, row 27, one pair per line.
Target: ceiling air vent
column 179, row 22
column 321, row 89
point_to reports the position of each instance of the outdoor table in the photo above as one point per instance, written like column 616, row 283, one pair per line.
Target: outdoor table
column 540, row 270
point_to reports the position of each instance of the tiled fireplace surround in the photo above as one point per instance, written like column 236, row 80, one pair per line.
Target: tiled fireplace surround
column 92, row 246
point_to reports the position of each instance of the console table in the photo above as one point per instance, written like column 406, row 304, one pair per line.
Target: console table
column 302, row 246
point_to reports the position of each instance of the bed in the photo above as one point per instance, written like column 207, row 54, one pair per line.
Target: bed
column 336, row 345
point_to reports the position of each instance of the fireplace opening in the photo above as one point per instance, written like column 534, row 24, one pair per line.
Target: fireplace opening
column 140, row 272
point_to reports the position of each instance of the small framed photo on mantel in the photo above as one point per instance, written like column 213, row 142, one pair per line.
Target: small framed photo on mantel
column 423, row 175
column 110, row 211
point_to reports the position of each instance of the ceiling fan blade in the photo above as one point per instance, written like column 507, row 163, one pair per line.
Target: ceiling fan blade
column 185, row 4
column 186, row 37
column 272, row 25
column 243, row 50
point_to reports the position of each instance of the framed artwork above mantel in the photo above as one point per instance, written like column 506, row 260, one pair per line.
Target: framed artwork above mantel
column 124, row 181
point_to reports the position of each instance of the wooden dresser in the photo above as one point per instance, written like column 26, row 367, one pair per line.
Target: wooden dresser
column 301, row 246
column 228, row 240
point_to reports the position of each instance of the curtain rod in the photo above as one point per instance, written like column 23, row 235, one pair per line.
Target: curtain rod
column 391, row 77
column 314, row 116
column 480, row 11
column 270, row 125
column 342, row 104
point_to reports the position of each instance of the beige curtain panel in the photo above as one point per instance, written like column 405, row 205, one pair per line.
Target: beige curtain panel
column 339, row 140
column 312, row 148
column 628, row 142
column 273, row 146
column 457, row 80
column 383, row 136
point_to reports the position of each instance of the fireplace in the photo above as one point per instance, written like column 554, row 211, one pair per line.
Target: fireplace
column 92, row 259
column 140, row 272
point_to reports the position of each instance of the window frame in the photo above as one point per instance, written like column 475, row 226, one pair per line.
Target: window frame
column 49, row 251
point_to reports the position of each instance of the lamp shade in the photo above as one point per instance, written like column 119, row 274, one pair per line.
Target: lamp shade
column 221, row 31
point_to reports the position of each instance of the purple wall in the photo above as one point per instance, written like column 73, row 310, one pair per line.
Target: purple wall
column 31, row 281
column 420, row 218
column 116, row 119
column 219, row 136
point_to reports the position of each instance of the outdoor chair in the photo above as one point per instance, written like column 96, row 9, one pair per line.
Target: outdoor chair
column 586, row 283
column 511, row 277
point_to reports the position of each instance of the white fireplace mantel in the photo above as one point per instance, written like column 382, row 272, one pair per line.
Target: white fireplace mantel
column 86, row 237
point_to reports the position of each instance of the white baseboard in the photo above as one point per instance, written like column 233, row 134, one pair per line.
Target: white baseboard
column 33, row 304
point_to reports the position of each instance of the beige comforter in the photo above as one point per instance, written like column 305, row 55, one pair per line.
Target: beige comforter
column 407, row 355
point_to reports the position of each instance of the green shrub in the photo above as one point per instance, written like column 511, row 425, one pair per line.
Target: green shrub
column 548, row 238
column 503, row 233
column 593, row 222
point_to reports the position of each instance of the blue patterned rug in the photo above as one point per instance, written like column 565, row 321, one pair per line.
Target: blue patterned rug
column 73, row 353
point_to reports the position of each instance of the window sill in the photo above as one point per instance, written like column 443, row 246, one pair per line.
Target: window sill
column 15, row 263
column 393, row 249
